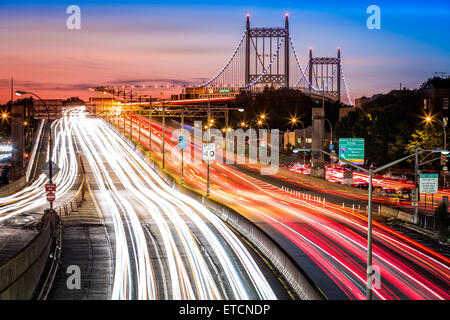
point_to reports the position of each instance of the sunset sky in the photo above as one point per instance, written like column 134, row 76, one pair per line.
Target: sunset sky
column 157, row 42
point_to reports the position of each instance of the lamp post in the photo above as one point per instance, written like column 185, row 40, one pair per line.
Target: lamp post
column 294, row 121
column 331, row 130
column 430, row 119
column 371, row 172
column 50, row 171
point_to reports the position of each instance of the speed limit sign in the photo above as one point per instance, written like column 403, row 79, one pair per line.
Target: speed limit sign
column 209, row 151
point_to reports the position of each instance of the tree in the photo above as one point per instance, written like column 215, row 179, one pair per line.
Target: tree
column 280, row 105
column 442, row 218
column 386, row 125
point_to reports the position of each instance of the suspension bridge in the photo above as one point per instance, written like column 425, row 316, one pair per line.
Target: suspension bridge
column 264, row 57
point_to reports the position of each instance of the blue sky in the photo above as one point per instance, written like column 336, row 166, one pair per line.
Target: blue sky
column 192, row 39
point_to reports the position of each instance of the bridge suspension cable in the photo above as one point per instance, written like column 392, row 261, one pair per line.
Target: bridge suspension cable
column 221, row 72
column 345, row 87
column 303, row 76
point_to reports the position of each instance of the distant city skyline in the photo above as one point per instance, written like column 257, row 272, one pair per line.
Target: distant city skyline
column 156, row 42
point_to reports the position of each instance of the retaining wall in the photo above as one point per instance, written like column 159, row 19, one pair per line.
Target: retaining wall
column 19, row 277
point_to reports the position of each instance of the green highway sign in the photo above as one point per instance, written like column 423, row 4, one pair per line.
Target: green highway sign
column 352, row 150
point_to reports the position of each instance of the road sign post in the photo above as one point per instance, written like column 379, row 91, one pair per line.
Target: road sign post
column 51, row 197
column 182, row 144
column 415, row 197
column 209, row 153
column 50, row 187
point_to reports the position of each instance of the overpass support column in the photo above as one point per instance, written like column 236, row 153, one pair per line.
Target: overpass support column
column 18, row 142
column 317, row 158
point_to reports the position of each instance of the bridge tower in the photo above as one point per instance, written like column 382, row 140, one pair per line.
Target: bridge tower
column 320, row 71
column 261, row 48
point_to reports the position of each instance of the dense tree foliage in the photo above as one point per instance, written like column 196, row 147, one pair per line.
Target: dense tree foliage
column 386, row 123
column 280, row 106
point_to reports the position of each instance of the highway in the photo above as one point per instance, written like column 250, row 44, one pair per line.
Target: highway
column 32, row 197
column 326, row 240
column 427, row 202
column 166, row 245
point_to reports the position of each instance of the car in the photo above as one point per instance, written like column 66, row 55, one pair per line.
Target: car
column 362, row 185
column 390, row 192
column 378, row 189
column 405, row 193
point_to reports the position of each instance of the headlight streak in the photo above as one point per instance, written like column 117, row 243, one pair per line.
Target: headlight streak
column 179, row 211
column 33, row 196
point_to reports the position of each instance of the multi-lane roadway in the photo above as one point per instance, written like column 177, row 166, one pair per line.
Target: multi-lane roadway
column 329, row 242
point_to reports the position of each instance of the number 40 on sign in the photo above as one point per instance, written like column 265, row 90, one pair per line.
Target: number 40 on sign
column 209, row 151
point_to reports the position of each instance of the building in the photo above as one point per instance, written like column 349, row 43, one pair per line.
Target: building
column 360, row 103
column 55, row 107
column 436, row 100
column 295, row 138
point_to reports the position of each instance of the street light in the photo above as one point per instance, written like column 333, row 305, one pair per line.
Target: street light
column 431, row 119
column 371, row 172
column 331, row 130
column 294, row 121
column 50, row 171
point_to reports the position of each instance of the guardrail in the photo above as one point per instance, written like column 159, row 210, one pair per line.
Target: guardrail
column 77, row 200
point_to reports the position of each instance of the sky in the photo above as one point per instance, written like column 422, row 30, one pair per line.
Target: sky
column 158, row 42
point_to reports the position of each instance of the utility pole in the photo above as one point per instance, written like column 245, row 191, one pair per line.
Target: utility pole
column 208, row 192
column 416, row 186
column 131, row 116
column 182, row 149
column 163, row 132
column 139, row 114
column 369, row 240
column 150, row 123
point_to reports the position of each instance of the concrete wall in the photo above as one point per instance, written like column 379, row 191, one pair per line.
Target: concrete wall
column 19, row 277
column 12, row 187
column 300, row 283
